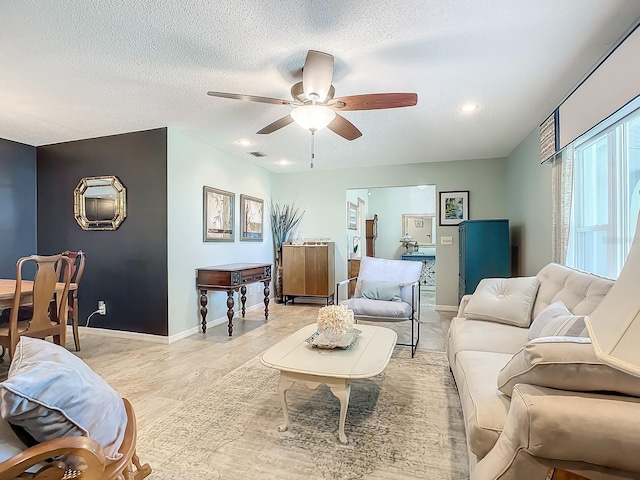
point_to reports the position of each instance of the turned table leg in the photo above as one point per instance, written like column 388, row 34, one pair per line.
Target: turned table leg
column 266, row 299
column 203, row 309
column 243, row 298
column 230, row 304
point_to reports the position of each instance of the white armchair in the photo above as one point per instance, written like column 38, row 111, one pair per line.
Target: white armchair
column 387, row 291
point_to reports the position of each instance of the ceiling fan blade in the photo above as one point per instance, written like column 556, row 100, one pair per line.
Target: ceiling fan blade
column 344, row 128
column 317, row 75
column 277, row 125
column 250, row 98
column 374, row 101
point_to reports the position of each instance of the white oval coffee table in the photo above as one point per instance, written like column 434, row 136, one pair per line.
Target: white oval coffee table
column 299, row 361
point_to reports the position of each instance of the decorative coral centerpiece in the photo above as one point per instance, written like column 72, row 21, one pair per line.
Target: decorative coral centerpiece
column 335, row 321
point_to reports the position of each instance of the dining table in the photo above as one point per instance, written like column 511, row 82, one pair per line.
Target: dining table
column 8, row 291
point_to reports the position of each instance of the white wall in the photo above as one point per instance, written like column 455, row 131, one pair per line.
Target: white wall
column 321, row 193
column 192, row 164
column 390, row 204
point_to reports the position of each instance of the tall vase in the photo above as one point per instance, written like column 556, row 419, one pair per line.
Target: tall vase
column 278, row 277
column 278, row 282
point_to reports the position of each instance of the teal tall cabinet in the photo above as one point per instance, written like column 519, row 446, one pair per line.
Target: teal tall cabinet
column 484, row 252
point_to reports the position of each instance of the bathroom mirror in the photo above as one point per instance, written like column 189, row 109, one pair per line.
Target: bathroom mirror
column 420, row 227
column 100, row 203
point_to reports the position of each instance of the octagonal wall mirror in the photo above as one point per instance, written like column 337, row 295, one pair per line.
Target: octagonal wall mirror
column 100, row 203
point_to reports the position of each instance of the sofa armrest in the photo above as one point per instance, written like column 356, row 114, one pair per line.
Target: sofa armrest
column 91, row 457
column 463, row 305
column 582, row 431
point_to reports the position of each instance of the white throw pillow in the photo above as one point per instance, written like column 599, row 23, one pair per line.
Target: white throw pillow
column 51, row 393
column 556, row 319
column 503, row 300
column 565, row 363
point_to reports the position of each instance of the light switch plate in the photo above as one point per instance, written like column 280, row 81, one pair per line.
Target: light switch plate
column 446, row 240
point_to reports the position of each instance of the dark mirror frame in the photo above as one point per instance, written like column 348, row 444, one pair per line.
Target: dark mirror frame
column 82, row 203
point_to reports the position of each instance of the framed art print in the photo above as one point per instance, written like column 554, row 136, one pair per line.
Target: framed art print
column 218, row 217
column 251, row 218
column 454, row 207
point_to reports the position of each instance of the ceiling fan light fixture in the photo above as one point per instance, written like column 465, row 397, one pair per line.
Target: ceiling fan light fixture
column 313, row 117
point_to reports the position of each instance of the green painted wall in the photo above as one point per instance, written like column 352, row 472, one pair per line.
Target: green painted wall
column 322, row 195
column 529, row 205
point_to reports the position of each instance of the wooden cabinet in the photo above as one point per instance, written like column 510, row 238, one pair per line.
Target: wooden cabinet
column 353, row 271
column 370, row 234
column 308, row 271
column 484, row 252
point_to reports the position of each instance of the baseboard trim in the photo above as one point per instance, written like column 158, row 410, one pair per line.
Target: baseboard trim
column 148, row 337
column 446, row 308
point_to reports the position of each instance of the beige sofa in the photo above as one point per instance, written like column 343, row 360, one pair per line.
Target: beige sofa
column 524, row 432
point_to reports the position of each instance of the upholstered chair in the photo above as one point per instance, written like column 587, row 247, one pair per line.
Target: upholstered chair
column 387, row 291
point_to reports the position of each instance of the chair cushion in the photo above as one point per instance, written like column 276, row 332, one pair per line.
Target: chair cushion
column 565, row 363
column 503, row 300
column 376, row 290
column 556, row 319
column 365, row 307
column 52, row 393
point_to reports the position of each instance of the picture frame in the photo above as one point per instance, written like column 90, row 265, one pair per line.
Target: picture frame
column 454, row 207
column 352, row 216
column 251, row 219
column 218, row 215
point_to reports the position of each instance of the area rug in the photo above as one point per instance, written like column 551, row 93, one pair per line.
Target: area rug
column 404, row 423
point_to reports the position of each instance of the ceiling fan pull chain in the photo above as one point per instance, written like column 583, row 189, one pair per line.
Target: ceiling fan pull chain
column 313, row 153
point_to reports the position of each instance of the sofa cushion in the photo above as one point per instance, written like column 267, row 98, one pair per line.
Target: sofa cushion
column 484, row 407
column 503, row 300
column 52, row 393
column 556, row 319
column 581, row 292
column 565, row 363
column 465, row 335
column 376, row 290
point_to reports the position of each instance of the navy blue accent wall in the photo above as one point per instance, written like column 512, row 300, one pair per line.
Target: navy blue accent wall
column 127, row 268
column 17, row 204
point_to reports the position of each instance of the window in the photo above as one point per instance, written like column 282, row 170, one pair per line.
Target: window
column 606, row 197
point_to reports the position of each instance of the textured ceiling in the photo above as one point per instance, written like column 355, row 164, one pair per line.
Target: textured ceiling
column 73, row 69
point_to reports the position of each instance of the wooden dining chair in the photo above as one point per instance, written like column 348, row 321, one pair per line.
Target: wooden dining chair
column 77, row 269
column 48, row 316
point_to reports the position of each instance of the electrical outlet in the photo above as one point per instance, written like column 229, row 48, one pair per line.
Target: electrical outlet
column 102, row 307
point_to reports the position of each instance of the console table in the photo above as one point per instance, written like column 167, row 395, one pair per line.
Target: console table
column 428, row 274
column 231, row 278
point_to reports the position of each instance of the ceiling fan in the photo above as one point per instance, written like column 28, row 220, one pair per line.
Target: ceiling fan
column 316, row 106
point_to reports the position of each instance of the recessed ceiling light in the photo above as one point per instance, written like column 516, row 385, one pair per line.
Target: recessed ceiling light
column 245, row 142
column 284, row 161
column 469, row 107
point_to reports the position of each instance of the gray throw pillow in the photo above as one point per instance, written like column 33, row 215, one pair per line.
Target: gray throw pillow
column 556, row 319
column 375, row 290
column 51, row 393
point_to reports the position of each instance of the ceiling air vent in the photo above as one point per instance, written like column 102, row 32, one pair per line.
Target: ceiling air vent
column 258, row 154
